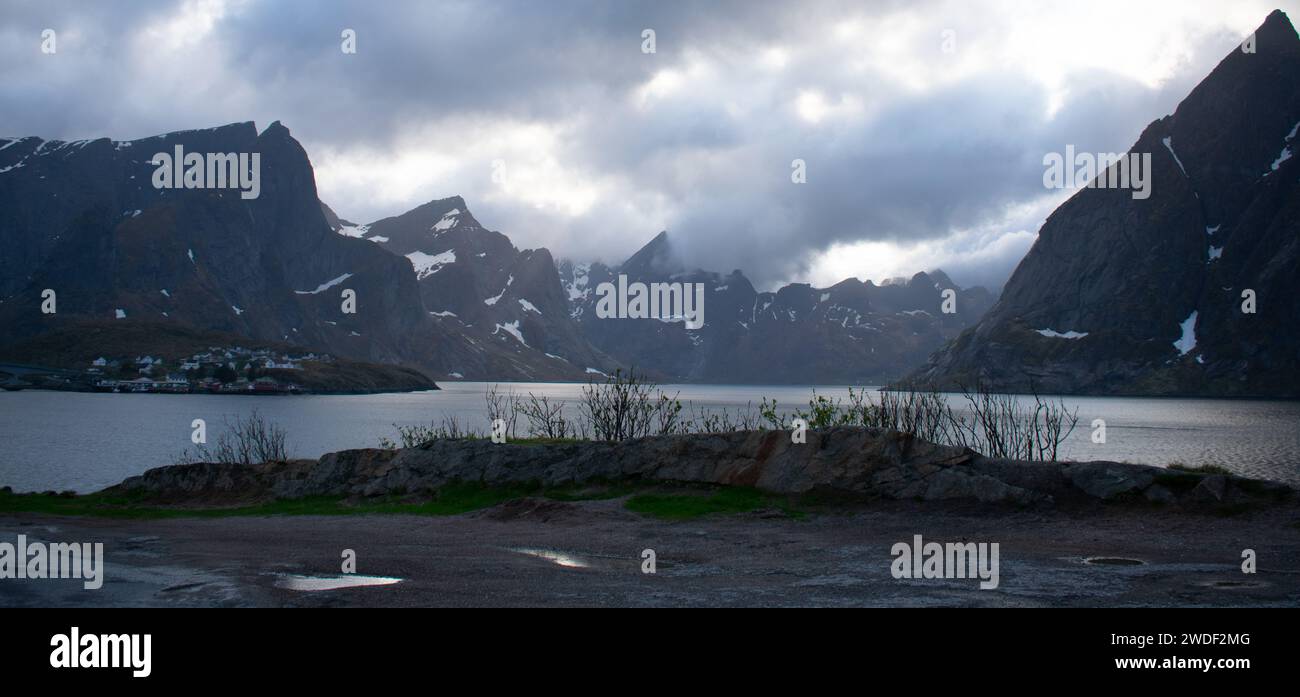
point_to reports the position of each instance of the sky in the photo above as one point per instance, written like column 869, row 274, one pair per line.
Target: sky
column 921, row 126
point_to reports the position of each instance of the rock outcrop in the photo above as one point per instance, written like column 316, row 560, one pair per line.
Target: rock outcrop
column 846, row 462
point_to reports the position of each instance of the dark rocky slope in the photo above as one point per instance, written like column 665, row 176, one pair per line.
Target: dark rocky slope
column 1152, row 289
column 84, row 219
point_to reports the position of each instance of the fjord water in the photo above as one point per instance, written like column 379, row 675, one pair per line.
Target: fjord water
column 87, row 441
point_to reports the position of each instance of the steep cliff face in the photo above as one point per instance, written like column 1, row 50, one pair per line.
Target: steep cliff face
column 1145, row 296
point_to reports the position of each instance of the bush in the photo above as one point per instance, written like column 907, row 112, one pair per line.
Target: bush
column 246, row 441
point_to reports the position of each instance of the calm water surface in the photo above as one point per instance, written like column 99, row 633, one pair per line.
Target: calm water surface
column 87, row 441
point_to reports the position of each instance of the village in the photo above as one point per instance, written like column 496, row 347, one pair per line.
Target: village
column 228, row 370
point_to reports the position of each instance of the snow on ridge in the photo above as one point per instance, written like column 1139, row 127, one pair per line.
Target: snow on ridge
column 1187, row 341
column 511, row 328
column 238, row 311
column 427, row 265
column 119, row 313
column 443, row 313
column 1215, row 253
column 449, row 220
column 353, row 230
column 377, row 239
column 1052, row 333
column 1169, row 145
column 1211, row 230
column 325, row 286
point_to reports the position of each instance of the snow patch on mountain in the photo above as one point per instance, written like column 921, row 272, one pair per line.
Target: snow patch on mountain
column 1052, row 333
column 577, row 287
column 1286, row 150
column 449, row 220
column 511, row 328
column 493, row 300
column 325, row 286
column 528, row 307
column 427, row 265
column 1169, row 145
column 1187, row 341
column 358, row 231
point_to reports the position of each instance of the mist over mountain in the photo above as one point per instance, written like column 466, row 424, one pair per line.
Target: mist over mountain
column 853, row 332
column 1127, row 296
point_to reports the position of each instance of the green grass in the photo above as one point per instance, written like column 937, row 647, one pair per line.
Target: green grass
column 685, row 506
column 681, row 503
column 451, row 500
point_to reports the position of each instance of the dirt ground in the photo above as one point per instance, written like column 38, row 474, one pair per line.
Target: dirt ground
column 535, row 552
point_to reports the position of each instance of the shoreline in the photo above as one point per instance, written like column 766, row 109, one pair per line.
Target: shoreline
column 736, row 519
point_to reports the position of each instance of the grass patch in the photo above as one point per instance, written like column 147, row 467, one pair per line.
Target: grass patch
column 685, row 506
column 452, row 499
column 678, row 503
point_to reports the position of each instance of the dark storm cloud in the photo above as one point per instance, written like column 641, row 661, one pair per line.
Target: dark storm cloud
column 697, row 138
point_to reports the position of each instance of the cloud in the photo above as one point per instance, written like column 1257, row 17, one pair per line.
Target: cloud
column 915, row 155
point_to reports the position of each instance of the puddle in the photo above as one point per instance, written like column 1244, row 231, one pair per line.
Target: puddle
column 1113, row 561
column 1233, row 585
column 568, row 561
column 295, row 582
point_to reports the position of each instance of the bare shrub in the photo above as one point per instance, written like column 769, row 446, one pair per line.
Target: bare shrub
column 504, row 406
column 248, row 440
column 417, row 436
column 625, row 407
column 546, row 418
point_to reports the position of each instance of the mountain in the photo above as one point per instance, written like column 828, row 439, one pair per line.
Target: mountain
column 852, row 332
column 1145, row 296
column 434, row 289
column 85, row 220
column 475, row 283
